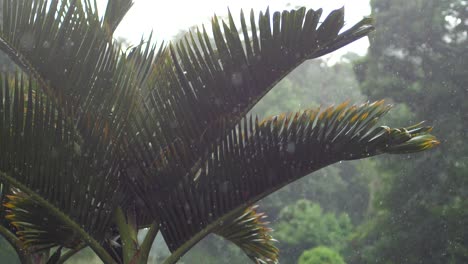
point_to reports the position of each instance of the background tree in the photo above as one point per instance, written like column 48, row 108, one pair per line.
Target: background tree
column 304, row 225
column 418, row 59
column 321, row 255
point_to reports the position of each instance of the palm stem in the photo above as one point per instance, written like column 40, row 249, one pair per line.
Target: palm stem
column 145, row 247
column 70, row 253
column 89, row 240
column 176, row 255
column 127, row 235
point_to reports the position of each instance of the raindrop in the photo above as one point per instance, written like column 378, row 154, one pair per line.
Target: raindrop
column 69, row 43
column 237, row 79
column 46, row 44
column 291, row 147
column 218, row 102
column 27, row 41
column 224, row 186
column 77, row 149
column 174, row 124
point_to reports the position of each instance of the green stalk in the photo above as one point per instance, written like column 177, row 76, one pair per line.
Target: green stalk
column 145, row 247
column 89, row 240
column 176, row 255
column 16, row 244
column 70, row 253
column 127, row 235
column 132, row 251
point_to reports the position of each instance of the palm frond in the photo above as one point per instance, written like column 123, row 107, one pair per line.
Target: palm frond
column 115, row 12
column 90, row 91
column 4, row 190
column 200, row 87
column 50, row 41
column 36, row 226
column 96, row 87
column 195, row 90
column 44, row 157
column 250, row 233
column 258, row 158
column 67, row 49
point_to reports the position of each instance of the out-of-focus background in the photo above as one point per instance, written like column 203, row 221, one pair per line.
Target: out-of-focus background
column 391, row 209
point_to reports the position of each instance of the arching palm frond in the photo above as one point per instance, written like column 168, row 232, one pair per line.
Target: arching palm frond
column 69, row 51
column 44, row 157
column 115, row 12
column 258, row 158
column 225, row 81
column 250, row 233
column 38, row 228
column 50, row 40
column 4, row 191
column 195, row 89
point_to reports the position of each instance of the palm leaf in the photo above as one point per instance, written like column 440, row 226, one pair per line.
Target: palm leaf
column 50, row 42
column 7, row 230
column 68, row 50
column 258, row 158
column 195, row 89
column 248, row 231
column 115, row 12
column 72, row 56
column 92, row 84
column 4, row 190
column 44, row 157
column 36, row 226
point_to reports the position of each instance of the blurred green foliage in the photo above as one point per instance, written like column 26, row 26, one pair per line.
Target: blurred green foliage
column 321, row 255
column 314, row 83
column 418, row 60
column 305, row 225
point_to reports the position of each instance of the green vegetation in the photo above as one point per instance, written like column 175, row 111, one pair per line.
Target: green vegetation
column 304, row 225
column 112, row 150
column 321, row 255
column 420, row 203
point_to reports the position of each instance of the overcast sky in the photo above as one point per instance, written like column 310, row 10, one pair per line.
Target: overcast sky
column 167, row 18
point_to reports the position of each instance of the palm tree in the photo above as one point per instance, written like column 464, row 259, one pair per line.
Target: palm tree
column 97, row 143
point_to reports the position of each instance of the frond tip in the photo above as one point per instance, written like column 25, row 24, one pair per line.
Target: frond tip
column 257, row 158
column 249, row 232
column 203, row 82
column 35, row 226
column 414, row 143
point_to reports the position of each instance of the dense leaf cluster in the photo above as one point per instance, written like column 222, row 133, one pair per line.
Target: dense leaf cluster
column 98, row 143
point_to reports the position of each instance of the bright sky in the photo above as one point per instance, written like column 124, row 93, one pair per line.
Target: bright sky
column 166, row 18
